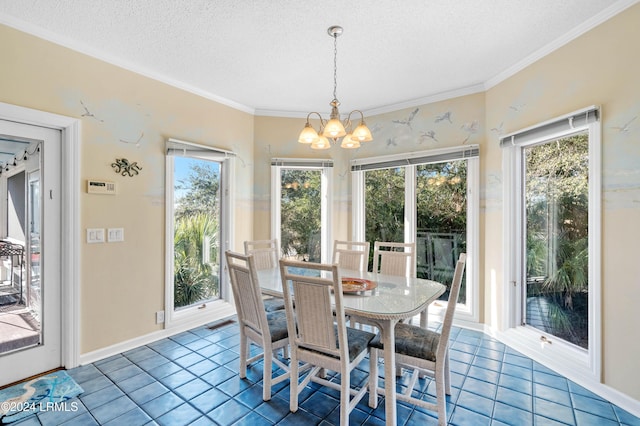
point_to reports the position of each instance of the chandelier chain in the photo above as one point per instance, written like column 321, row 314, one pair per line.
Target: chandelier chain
column 335, row 66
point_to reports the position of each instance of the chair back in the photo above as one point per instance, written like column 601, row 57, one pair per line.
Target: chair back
column 311, row 322
column 246, row 292
column 265, row 253
column 451, row 306
column 394, row 258
column 351, row 254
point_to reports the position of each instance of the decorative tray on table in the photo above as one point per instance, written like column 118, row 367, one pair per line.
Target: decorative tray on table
column 355, row 285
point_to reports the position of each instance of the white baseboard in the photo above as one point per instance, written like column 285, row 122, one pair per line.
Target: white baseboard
column 97, row 355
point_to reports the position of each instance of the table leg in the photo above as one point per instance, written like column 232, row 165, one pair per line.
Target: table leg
column 388, row 339
column 424, row 317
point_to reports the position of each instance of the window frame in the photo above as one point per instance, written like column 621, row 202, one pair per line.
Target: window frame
column 470, row 311
column 326, row 194
column 570, row 360
column 220, row 308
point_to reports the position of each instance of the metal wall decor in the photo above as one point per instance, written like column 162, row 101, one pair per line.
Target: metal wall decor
column 123, row 167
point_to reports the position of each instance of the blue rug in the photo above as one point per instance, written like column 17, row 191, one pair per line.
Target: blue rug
column 45, row 393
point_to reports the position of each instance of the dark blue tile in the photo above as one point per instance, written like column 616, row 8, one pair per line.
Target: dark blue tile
column 224, row 357
column 517, row 371
column 417, row 418
column 148, row 392
column 625, row 417
column 511, row 415
column 135, row 382
column 320, row 404
column 514, row 398
column 164, row 370
column 594, row 406
column 96, row 384
column 476, row 403
column 101, row 397
column 235, row 385
column 515, row 383
column 192, row 389
column 218, row 375
column 463, row 417
column 184, row 337
column 228, row 413
column 274, row 410
column 209, row 400
column 251, row 397
column 300, row 418
column 189, row 360
column 179, row 416
column 202, row 367
column 114, row 363
column 113, row 409
column 140, row 353
column 552, row 394
column 479, row 387
column 177, row 379
column 84, row 419
column 152, row 362
column 253, row 419
column 583, row 418
column 483, row 374
column 124, row 373
column 552, row 380
column 133, row 417
column 162, row 404
column 553, row 411
column 210, row 350
column 84, row 373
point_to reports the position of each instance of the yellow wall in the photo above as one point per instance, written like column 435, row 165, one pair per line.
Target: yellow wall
column 122, row 284
column 595, row 69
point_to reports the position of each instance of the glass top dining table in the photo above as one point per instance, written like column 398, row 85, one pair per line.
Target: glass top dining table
column 392, row 299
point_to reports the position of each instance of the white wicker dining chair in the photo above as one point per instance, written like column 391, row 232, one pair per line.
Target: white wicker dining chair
column 317, row 336
column 351, row 254
column 266, row 254
column 265, row 329
column 394, row 258
column 423, row 351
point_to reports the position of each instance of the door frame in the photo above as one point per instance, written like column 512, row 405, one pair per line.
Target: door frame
column 70, row 220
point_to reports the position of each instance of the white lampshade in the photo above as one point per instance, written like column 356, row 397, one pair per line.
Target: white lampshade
column 362, row 133
column 308, row 134
column 349, row 142
column 321, row 143
column 334, row 129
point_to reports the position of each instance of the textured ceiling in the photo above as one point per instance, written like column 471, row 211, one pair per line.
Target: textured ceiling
column 275, row 57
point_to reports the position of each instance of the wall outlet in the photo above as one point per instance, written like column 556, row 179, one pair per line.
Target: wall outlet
column 159, row 317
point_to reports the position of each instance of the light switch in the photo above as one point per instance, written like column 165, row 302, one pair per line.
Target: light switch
column 115, row 235
column 95, row 235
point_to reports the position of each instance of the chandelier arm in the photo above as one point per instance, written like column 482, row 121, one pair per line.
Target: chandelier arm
column 322, row 121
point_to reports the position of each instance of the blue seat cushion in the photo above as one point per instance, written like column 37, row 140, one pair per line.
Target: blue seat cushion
column 273, row 304
column 412, row 341
column 277, row 322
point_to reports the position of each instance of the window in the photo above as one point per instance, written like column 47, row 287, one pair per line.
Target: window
column 430, row 198
column 198, row 227
column 553, row 202
column 298, row 188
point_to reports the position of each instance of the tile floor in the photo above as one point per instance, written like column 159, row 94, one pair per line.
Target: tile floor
column 191, row 379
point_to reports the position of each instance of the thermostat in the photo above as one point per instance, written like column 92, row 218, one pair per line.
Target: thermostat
column 101, row 187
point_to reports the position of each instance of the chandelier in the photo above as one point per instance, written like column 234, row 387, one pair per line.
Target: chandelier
column 335, row 129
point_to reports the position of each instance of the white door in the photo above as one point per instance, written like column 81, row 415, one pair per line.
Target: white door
column 41, row 269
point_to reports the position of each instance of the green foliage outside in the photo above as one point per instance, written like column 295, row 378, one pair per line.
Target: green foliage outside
column 300, row 214
column 441, row 204
column 196, row 231
column 557, row 208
